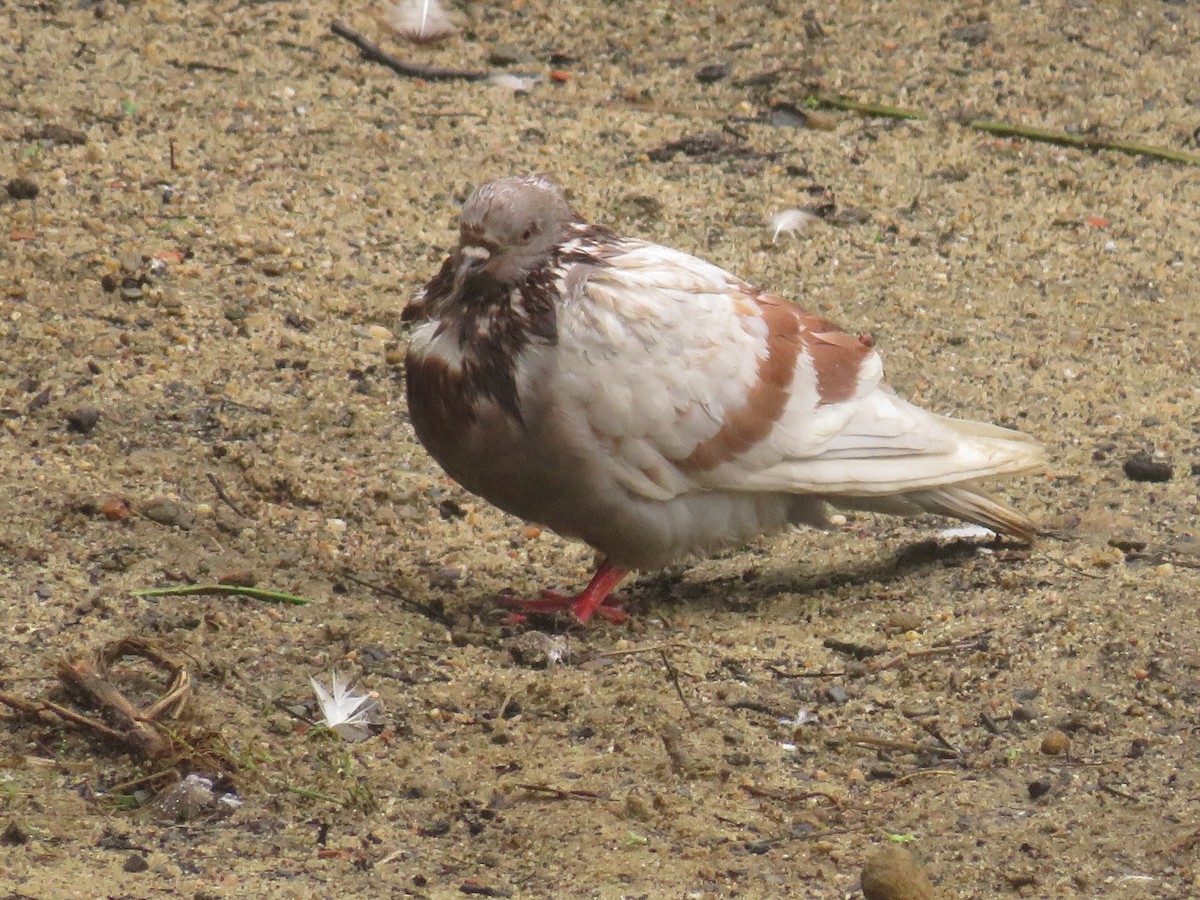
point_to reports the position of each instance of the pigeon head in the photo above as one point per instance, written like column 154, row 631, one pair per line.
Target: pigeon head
column 510, row 226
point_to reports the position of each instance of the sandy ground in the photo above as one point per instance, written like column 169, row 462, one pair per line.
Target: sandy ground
column 233, row 209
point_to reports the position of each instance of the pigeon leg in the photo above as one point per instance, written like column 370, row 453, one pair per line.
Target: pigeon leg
column 590, row 601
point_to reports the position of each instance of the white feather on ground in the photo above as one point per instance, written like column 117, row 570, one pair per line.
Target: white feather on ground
column 420, row 21
column 789, row 221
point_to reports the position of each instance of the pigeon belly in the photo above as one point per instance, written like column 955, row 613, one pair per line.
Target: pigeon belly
column 549, row 468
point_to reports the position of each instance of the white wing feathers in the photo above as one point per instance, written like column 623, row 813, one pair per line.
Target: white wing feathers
column 697, row 400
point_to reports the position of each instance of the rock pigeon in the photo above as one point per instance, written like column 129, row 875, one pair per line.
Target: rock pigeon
column 656, row 406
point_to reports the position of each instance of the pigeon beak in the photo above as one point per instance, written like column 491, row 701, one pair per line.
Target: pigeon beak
column 473, row 255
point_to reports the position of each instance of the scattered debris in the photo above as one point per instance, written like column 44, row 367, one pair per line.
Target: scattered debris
column 708, row 146
column 138, row 729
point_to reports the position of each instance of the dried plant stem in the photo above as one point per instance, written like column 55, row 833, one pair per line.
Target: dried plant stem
column 877, row 110
column 185, row 590
column 1007, row 129
column 1082, row 141
column 867, row 740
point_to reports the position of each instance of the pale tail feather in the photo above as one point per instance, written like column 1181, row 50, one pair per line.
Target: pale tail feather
column 962, row 501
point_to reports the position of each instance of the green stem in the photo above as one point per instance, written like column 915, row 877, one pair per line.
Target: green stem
column 1006, row 129
column 1082, row 141
column 880, row 110
column 185, row 590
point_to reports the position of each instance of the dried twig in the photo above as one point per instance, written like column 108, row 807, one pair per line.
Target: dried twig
column 674, row 676
column 650, row 648
column 920, row 773
column 789, row 796
column 372, row 53
column 821, row 673
column 867, row 740
column 559, row 793
column 213, row 479
column 430, row 611
column 136, row 728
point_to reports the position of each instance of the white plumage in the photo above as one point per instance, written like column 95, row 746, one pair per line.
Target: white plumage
column 656, row 406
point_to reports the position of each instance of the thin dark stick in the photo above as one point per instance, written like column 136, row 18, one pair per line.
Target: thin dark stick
column 674, row 676
column 426, row 609
column 372, row 53
column 220, row 489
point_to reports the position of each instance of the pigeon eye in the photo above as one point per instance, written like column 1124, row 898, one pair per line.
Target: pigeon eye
column 528, row 232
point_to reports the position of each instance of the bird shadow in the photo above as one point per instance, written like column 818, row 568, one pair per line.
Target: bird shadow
column 754, row 588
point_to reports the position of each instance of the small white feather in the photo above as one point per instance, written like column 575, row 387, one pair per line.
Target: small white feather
column 346, row 713
column 420, row 21
column 518, row 84
column 790, row 221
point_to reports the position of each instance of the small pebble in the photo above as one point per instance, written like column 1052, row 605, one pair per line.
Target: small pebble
column 115, row 510
column 1038, row 789
column 136, row 863
column 507, row 55
column 14, row 834
column 712, row 73
column 1142, row 467
column 445, row 578
column 1055, row 743
column 538, row 650
column 22, row 189
column 166, row 511
column 902, row 622
column 892, row 874
column 83, row 419
column 1024, row 713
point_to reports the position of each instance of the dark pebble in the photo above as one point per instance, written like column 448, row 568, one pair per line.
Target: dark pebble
column 1142, row 468
column 506, row 55
column 136, row 863
column 1128, row 544
column 1025, row 714
column 434, row 829
column 445, row 578
column 1038, row 789
column 973, row 34
column 83, row 419
column 22, row 189
column 713, row 72
column 14, row 835
column 39, row 402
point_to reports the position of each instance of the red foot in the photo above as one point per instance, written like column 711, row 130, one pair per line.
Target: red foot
column 593, row 600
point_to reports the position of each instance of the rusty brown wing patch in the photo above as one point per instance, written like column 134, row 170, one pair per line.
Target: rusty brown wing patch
column 837, row 357
column 752, row 422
